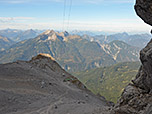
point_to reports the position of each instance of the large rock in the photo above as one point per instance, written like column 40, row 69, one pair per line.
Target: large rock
column 144, row 10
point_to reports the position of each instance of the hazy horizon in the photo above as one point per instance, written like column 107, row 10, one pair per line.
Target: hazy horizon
column 94, row 32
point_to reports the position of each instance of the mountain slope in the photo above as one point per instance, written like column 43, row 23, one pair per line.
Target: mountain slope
column 109, row 81
column 121, row 52
column 118, row 49
column 137, row 40
column 42, row 86
column 5, row 43
column 26, row 35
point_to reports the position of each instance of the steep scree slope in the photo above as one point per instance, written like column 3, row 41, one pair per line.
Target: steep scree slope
column 41, row 86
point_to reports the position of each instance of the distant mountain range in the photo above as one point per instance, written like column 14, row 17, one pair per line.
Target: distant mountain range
column 137, row 40
column 109, row 81
column 26, row 35
column 73, row 52
column 19, row 35
column 90, row 33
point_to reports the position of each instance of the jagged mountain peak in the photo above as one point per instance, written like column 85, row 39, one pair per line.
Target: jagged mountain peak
column 64, row 34
column 48, row 32
column 50, row 35
column 30, row 30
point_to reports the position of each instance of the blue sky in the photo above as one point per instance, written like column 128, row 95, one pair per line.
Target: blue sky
column 95, row 15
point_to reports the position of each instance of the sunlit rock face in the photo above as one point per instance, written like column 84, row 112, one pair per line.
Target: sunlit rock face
column 143, row 9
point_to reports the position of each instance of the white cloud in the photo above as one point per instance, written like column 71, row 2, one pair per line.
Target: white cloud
column 105, row 1
column 27, row 1
column 15, row 19
column 115, row 25
column 15, row 1
column 6, row 19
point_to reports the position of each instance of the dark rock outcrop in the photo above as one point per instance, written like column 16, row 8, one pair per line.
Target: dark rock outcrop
column 143, row 9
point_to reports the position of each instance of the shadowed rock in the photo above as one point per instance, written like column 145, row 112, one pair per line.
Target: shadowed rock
column 143, row 9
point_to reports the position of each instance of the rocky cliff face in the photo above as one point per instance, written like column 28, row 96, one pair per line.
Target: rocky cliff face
column 137, row 96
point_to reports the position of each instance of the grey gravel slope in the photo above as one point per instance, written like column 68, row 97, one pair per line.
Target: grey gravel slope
column 41, row 86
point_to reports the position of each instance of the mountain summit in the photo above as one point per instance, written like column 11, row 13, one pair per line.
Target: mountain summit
column 64, row 34
column 43, row 55
column 48, row 32
column 52, row 35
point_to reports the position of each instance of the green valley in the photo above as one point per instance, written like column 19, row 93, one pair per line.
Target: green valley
column 109, row 81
